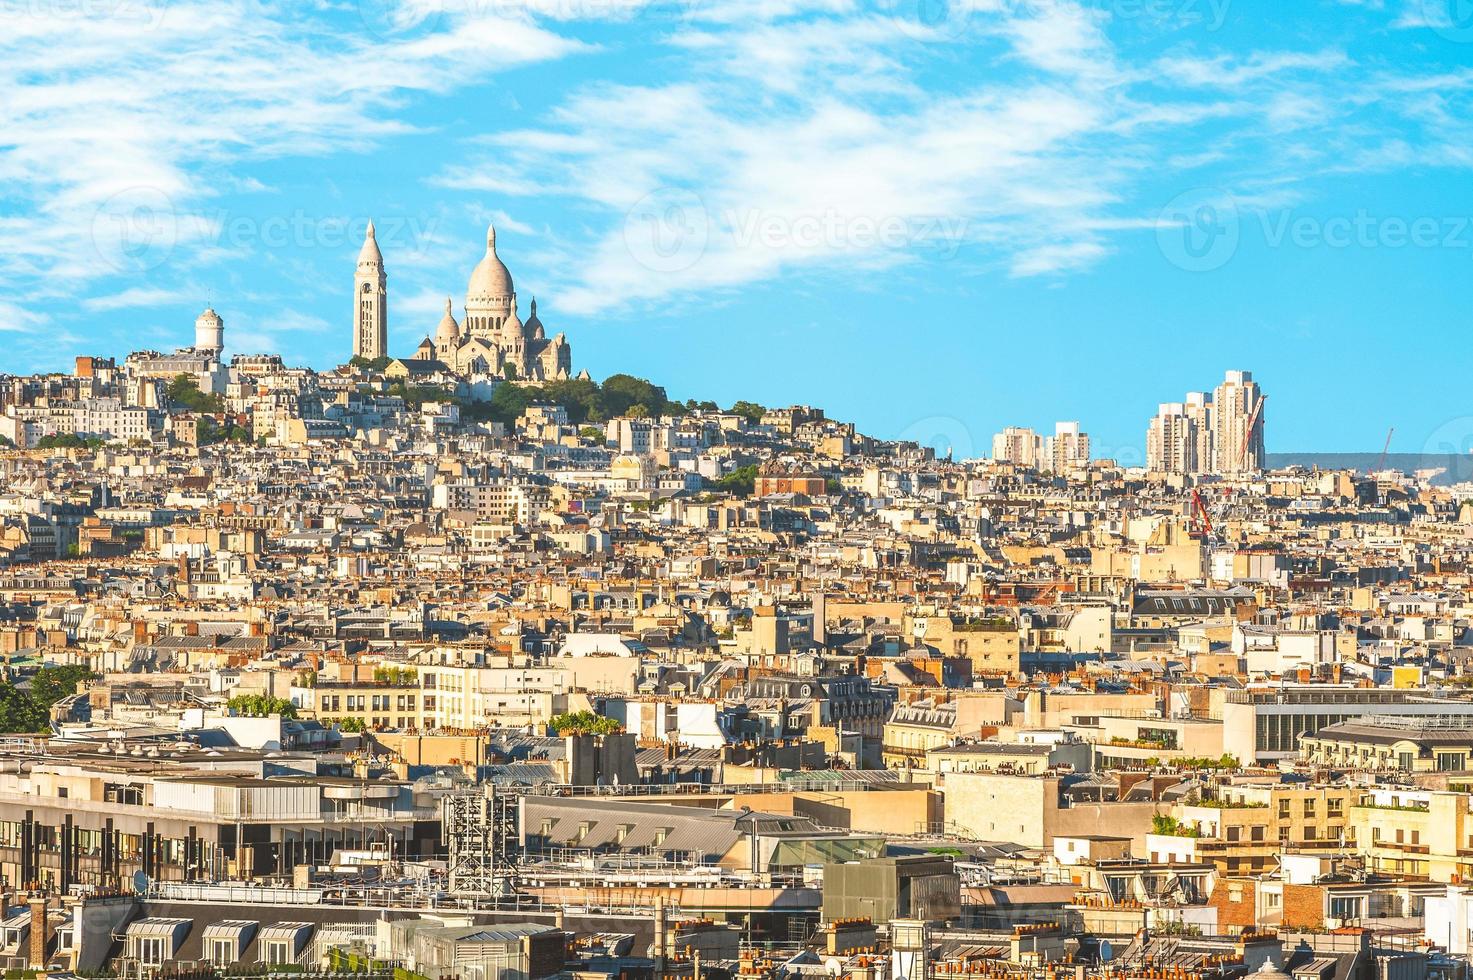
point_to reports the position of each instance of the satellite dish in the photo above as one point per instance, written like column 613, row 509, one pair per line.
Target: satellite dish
column 140, row 883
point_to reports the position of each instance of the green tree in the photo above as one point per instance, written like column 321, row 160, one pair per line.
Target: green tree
column 750, row 411
column 621, row 392
column 20, row 713
column 183, row 390
column 583, row 723
column 68, row 440
column 362, row 363
column 52, row 683
column 740, row 481
column 207, row 431
column 261, row 706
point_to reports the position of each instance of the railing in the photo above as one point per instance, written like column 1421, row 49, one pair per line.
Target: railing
column 704, row 789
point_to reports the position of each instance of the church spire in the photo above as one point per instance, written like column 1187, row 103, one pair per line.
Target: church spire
column 491, row 239
column 369, row 253
column 370, row 301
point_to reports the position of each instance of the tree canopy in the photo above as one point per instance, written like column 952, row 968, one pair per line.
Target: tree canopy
column 183, row 390
column 740, row 481
column 51, row 684
column 261, row 706
column 68, row 440
column 20, row 713
column 750, row 411
column 584, row 723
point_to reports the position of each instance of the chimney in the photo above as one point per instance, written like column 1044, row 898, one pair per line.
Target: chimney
column 38, row 935
column 659, row 937
column 140, row 631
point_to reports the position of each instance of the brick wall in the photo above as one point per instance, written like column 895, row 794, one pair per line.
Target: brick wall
column 1304, row 906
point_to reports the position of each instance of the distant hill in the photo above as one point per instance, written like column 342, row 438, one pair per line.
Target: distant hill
column 1451, row 468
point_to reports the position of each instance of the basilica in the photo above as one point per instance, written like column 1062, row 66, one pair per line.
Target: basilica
column 490, row 339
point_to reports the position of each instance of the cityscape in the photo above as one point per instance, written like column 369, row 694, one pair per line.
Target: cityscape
column 350, row 626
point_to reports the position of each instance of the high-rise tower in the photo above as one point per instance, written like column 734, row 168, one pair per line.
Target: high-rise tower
column 370, row 302
column 1237, row 421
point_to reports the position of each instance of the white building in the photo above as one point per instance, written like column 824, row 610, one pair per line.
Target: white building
column 1237, row 416
column 1018, row 445
column 1067, row 449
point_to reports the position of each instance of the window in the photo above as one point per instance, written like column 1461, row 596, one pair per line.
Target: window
column 1257, row 833
column 222, row 952
column 1345, row 907
column 1309, row 807
column 150, row 950
column 1283, row 809
column 277, row 953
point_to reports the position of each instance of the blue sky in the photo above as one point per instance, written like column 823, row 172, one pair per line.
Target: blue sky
column 935, row 218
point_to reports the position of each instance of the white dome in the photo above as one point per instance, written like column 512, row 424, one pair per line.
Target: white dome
column 490, row 276
column 448, row 332
column 513, row 324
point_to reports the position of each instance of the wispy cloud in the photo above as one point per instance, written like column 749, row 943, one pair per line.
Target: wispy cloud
column 121, row 124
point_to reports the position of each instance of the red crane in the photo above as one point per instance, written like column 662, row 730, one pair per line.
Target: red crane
column 1381, row 463
column 1248, row 432
column 1202, row 513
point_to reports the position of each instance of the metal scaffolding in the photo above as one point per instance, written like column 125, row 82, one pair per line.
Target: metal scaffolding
column 481, row 830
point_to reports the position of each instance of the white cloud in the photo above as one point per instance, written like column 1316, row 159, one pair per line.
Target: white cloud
column 120, row 125
column 137, row 296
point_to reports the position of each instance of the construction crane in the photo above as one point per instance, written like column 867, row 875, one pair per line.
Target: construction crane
column 1381, row 463
column 1248, row 432
column 1202, row 513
